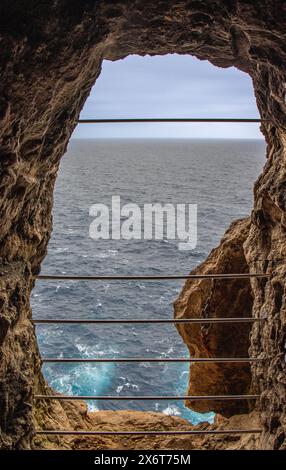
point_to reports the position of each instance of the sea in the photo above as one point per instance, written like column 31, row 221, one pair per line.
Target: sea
column 218, row 176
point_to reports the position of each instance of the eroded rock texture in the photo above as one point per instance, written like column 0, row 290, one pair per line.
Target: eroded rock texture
column 73, row 415
column 219, row 299
column 50, row 56
column 19, row 356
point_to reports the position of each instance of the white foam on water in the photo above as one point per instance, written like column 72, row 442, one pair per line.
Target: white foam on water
column 141, row 286
column 60, row 250
column 172, row 410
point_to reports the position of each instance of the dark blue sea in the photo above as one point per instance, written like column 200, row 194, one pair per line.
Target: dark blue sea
column 218, row 176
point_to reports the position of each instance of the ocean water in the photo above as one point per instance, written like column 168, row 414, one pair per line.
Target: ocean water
column 218, row 176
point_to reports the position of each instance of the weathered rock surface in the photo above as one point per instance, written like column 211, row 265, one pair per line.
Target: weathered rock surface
column 219, row 299
column 19, row 356
column 50, row 56
column 74, row 416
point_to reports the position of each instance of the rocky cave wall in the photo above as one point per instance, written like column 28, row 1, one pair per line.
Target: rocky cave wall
column 50, row 56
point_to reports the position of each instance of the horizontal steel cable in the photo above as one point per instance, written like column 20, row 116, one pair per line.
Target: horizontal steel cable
column 59, row 277
column 149, row 397
column 166, row 120
column 150, row 433
column 145, row 320
column 152, row 359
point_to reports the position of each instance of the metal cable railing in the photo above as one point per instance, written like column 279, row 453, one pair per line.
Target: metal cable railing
column 59, row 277
column 153, row 321
column 148, row 397
column 220, row 276
column 145, row 320
column 150, row 433
column 150, row 359
column 167, row 120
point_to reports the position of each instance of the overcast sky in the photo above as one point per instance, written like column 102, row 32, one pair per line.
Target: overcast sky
column 169, row 86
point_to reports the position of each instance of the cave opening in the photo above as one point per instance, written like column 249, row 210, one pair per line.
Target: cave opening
column 142, row 163
column 48, row 67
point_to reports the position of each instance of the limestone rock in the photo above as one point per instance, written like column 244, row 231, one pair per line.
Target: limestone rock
column 74, row 416
column 201, row 298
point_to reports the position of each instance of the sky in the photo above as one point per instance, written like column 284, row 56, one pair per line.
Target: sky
column 169, row 86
